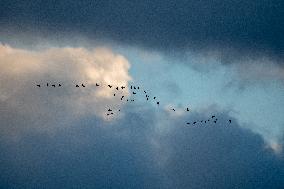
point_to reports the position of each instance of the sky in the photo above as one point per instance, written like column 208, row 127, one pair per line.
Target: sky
column 222, row 58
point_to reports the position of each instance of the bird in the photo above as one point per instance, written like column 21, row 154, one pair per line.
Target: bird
column 59, row 85
column 132, row 100
column 133, row 93
column 215, row 121
column 201, row 121
column 83, row 85
column 122, row 97
column 213, row 117
column 187, row 109
column 109, row 86
column 230, row 121
column 147, row 98
column 113, row 94
column 145, row 92
column 188, row 123
column 134, row 87
column 205, row 121
column 119, row 110
column 154, row 97
column 97, row 85
column 38, row 85
column 111, row 113
column 122, row 87
column 77, row 85
column 109, row 110
column 131, row 87
column 116, row 88
column 127, row 100
column 53, row 85
column 194, row 122
column 137, row 87
column 173, row 109
column 158, row 103
column 107, row 114
column 47, row 84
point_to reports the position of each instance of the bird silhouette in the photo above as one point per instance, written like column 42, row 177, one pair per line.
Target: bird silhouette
column 187, row 109
column 109, row 86
column 230, row 121
column 116, row 88
column 215, row 121
column 109, row 110
column 147, row 98
column 53, row 85
column 59, row 85
column 154, row 98
column 131, row 87
column 47, row 84
column 122, row 87
column 173, row 109
column 133, row 93
column 77, row 85
column 194, row 122
column 137, row 87
column 83, row 85
column 158, row 103
column 134, row 87
column 97, row 85
column 205, row 121
column 113, row 94
column 145, row 92
column 38, row 85
column 122, row 97
column 201, row 121
column 188, row 123
column 213, row 117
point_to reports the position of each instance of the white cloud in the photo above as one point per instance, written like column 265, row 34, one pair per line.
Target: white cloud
column 21, row 70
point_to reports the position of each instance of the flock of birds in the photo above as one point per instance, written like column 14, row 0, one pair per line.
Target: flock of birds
column 134, row 90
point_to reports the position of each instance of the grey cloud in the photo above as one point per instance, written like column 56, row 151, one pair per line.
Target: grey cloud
column 246, row 27
column 141, row 150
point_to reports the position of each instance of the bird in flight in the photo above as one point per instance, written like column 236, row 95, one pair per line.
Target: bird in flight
column 38, row 85
column 83, row 85
column 230, row 121
column 97, row 85
column 110, row 86
column 116, row 88
column 187, row 109
column 53, row 85
column 213, row 117
column 133, row 93
column 77, row 85
column 122, row 87
column 59, row 85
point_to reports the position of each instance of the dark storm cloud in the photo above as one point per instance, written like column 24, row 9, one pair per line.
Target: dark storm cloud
column 245, row 27
column 133, row 153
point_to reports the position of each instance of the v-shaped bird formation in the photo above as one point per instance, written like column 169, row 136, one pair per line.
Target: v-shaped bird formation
column 134, row 90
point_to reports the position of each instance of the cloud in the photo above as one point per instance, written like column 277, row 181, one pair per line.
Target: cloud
column 21, row 70
column 142, row 150
column 230, row 27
